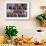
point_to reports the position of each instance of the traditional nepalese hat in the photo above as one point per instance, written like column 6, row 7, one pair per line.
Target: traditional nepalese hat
column 42, row 7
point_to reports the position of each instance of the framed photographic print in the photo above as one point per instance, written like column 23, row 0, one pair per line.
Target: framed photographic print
column 16, row 10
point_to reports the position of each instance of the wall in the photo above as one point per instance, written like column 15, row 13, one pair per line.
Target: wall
column 25, row 27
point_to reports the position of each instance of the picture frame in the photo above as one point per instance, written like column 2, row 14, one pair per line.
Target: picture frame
column 16, row 10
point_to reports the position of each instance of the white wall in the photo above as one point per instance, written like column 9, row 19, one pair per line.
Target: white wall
column 24, row 27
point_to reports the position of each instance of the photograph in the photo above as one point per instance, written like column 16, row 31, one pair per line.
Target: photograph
column 17, row 10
